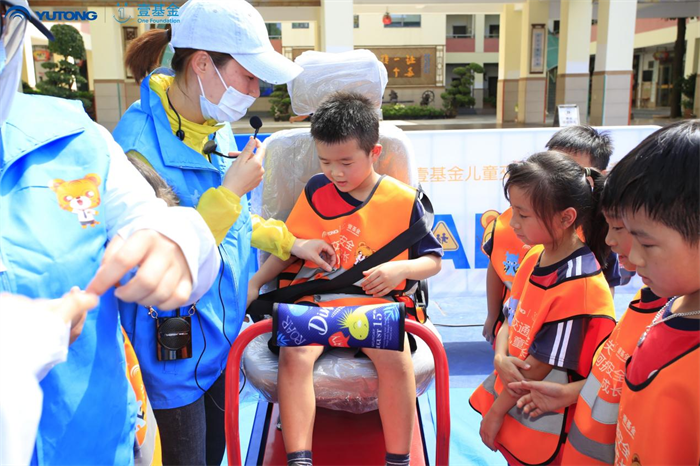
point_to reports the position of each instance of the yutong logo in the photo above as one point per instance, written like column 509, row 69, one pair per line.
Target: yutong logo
column 67, row 15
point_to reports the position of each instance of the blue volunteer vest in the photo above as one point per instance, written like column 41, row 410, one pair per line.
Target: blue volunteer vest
column 49, row 246
column 144, row 128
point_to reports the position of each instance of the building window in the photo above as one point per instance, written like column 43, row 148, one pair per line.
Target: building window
column 300, row 25
column 460, row 26
column 274, row 30
column 404, row 21
column 356, row 21
column 459, row 31
column 494, row 30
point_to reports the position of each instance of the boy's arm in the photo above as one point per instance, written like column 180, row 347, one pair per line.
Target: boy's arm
column 272, row 267
column 382, row 279
column 494, row 301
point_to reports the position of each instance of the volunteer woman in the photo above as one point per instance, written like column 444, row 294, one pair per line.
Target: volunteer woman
column 53, row 161
column 221, row 49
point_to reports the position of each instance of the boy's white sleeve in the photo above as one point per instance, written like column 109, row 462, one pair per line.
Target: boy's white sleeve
column 31, row 343
column 130, row 205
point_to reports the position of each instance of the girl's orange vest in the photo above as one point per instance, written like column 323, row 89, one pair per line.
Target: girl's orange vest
column 354, row 236
column 659, row 420
column 591, row 440
column 525, row 440
column 507, row 254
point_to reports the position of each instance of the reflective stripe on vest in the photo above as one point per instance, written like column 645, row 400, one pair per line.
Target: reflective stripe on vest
column 592, row 441
column 602, row 411
column 589, row 450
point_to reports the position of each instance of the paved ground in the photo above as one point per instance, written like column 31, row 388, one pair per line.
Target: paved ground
column 642, row 116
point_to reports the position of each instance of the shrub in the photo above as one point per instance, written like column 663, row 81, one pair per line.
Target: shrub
column 63, row 78
column 459, row 94
column 280, row 103
column 412, row 112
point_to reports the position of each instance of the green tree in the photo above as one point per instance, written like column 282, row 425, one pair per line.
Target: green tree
column 459, row 94
column 280, row 103
column 63, row 78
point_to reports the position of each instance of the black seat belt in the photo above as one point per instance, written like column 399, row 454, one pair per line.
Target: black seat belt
column 289, row 294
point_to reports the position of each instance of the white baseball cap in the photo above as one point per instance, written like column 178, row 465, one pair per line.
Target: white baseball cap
column 236, row 28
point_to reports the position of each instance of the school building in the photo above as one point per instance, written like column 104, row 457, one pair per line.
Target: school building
column 605, row 56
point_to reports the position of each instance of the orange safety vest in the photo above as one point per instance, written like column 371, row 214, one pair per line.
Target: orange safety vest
column 574, row 293
column 354, row 236
column 147, row 450
column 507, row 254
column 591, row 440
column 659, row 420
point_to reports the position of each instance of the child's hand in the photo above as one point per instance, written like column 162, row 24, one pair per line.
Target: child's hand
column 507, row 368
column 488, row 326
column 317, row 251
column 490, row 426
column 544, row 397
column 382, row 279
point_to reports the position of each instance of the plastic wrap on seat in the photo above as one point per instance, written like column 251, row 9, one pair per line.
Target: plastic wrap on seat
column 291, row 160
column 325, row 73
column 341, row 381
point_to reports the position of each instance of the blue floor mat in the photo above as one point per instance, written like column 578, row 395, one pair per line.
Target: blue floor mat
column 466, row 447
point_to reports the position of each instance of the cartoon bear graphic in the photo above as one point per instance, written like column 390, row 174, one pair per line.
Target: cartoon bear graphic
column 362, row 253
column 79, row 197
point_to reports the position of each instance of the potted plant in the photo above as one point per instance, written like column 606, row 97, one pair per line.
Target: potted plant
column 459, row 94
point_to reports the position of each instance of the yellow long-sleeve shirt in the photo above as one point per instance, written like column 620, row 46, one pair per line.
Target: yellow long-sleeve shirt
column 219, row 207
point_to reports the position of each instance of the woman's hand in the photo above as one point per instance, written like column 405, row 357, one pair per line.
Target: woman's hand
column 507, row 368
column 490, row 426
column 163, row 278
column 246, row 172
column 315, row 250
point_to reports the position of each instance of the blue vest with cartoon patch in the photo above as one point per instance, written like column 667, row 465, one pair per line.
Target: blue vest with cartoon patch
column 144, row 128
column 54, row 165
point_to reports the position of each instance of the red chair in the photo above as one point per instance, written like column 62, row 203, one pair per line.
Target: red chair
column 274, row 443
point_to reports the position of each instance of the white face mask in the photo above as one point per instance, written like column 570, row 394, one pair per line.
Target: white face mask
column 9, row 81
column 232, row 106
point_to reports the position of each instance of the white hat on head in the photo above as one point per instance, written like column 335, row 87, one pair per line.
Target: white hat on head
column 236, row 28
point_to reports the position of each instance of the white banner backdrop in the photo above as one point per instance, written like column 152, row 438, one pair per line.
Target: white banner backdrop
column 462, row 172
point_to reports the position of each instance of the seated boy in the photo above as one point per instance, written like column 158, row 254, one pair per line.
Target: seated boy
column 358, row 211
column 587, row 147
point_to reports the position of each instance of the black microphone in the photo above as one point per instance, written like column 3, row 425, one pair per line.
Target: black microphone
column 256, row 123
column 210, row 148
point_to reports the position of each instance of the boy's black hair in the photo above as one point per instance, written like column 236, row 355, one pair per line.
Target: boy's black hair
column 554, row 182
column 582, row 138
column 344, row 116
column 661, row 177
